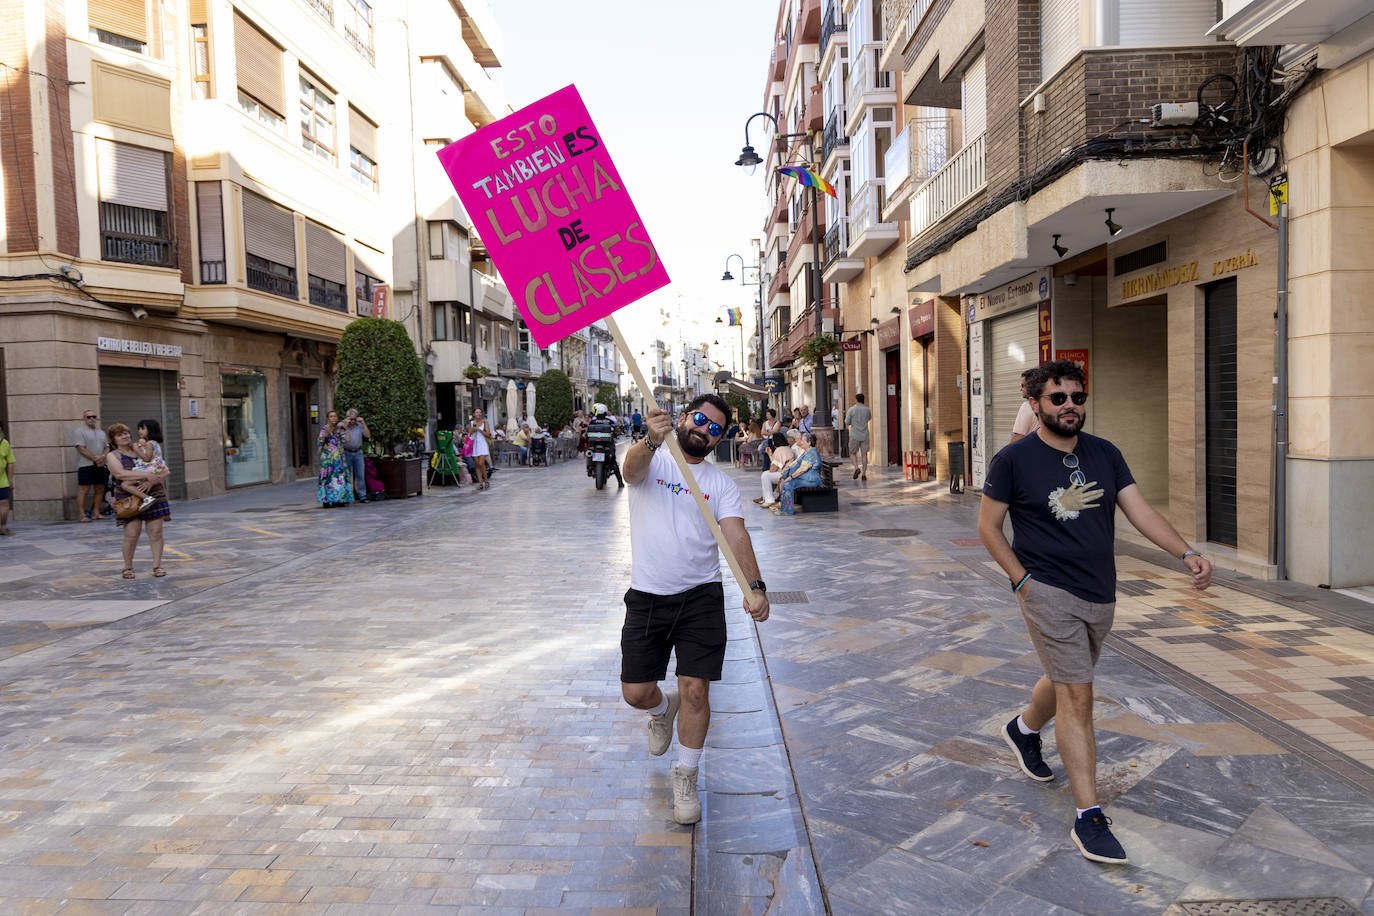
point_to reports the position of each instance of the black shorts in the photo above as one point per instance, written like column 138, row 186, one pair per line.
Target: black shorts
column 90, row 475
column 690, row 622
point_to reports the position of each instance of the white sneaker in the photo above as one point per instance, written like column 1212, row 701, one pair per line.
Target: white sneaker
column 661, row 727
column 686, row 804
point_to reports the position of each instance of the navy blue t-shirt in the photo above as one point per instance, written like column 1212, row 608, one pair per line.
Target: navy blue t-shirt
column 1063, row 537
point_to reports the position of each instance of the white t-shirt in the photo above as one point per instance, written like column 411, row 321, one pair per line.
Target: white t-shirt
column 1026, row 421
column 671, row 546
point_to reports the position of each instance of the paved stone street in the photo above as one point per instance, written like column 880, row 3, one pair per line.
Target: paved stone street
column 415, row 706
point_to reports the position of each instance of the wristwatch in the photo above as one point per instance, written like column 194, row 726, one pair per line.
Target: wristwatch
column 1189, row 553
column 758, row 586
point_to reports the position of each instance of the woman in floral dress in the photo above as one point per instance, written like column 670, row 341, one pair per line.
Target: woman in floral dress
column 336, row 489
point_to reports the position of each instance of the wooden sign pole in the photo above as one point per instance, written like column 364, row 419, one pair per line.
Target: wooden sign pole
column 679, row 457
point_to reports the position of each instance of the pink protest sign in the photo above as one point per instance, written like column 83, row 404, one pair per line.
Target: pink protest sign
column 555, row 216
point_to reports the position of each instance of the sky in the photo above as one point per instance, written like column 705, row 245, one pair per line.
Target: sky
column 669, row 87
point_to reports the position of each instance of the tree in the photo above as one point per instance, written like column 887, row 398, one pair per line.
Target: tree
column 553, row 402
column 607, row 395
column 740, row 406
column 381, row 376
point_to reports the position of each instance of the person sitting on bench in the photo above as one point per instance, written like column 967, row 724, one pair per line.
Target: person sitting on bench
column 803, row 472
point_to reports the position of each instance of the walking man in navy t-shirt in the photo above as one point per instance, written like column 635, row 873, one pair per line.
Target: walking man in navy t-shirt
column 1062, row 487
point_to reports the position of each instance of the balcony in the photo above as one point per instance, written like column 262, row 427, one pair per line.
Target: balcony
column 269, row 277
column 797, row 247
column 869, row 236
column 832, row 25
column 136, row 249
column 809, row 21
column 839, row 266
column 901, row 19
column 779, row 283
column 325, row 8
column 814, row 118
column 834, row 138
column 920, row 150
column 777, row 62
column 362, row 46
column 869, row 85
column 958, row 180
column 514, row 363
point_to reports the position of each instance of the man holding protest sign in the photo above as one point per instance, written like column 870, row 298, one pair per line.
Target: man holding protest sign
column 676, row 600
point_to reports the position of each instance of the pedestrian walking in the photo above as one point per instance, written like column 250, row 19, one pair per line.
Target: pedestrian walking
column 334, row 489
column 480, row 431
column 1062, row 488
column 676, row 601
column 6, row 482
column 1027, row 421
column 857, row 418
column 91, row 444
column 120, row 461
column 354, row 430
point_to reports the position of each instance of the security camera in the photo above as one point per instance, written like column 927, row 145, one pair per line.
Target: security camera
column 1070, row 279
column 139, row 312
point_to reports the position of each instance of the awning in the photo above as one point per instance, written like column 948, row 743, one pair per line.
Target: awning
column 726, row 381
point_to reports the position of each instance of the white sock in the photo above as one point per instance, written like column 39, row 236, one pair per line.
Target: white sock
column 1083, row 811
column 1025, row 729
column 689, row 757
column 662, row 706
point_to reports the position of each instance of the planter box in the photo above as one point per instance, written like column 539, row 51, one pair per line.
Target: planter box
column 402, row 477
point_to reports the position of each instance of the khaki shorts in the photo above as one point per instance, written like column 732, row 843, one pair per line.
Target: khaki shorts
column 1067, row 631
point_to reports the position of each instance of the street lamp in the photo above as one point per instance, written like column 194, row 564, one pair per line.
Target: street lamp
column 474, row 254
column 748, row 157
column 756, row 282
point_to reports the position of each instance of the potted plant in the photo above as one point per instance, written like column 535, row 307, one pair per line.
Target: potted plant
column 381, row 375
column 474, row 372
column 819, row 346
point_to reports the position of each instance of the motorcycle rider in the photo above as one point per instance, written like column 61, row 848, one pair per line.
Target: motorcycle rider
column 602, row 423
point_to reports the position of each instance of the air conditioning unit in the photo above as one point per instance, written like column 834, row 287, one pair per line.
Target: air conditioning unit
column 1173, row 114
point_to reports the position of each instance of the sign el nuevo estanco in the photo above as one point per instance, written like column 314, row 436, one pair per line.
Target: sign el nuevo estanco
column 557, row 221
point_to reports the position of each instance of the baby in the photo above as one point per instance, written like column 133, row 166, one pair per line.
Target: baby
column 149, row 462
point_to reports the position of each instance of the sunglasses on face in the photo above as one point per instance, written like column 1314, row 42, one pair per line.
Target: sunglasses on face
column 712, row 427
column 1059, row 397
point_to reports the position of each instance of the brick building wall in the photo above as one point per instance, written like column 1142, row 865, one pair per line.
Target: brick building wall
column 16, row 137
column 60, row 129
column 1013, row 68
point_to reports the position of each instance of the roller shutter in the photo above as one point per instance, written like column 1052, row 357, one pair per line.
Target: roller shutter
column 258, row 63
column 133, row 176
column 1223, row 437
column 210, row 220
column 269, row 231
column 200, row 12
column 1059, row 35
column 362, row 133
column 975, row 99
column 368, row 261
column 324, row 254
column 122, row 17
column 128, row 395
column 1013, row 347
column 1164, row 23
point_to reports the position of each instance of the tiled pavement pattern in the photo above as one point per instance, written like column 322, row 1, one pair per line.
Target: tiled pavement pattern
column 414, row 706
column 894, row 680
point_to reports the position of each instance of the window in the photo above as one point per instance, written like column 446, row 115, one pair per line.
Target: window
column 200, row 62
column 119, row 23
column 210, row 224
column 362, row 151
column 135, row 223
column 364, row 285
column 484, row 335
column 357, row 23
column 440, row 312
column 524, row 337
column 243, row 401
column 974, row 92
column 462, row 323
column 269, row 242
column 326, row 267
column 505, row 337
column 258, row 67
column 446, row 241
column 317, row 118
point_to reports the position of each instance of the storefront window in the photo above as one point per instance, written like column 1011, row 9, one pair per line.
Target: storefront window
column 244, row 402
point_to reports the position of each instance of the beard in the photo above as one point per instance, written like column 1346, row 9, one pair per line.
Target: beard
column 694, row 442
column 1068, row 426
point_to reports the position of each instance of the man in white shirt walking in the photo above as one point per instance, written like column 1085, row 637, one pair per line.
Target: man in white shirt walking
column 1027, row 421
column 676, row 601
column 857, row 419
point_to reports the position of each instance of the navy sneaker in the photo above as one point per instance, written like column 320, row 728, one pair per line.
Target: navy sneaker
column 1027, row 750
column 1093, row 836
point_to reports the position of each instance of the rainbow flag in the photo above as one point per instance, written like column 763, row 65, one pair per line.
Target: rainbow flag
column 736, row 317
column 808, row 177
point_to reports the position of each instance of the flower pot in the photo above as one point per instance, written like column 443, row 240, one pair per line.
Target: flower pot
column 402, row 477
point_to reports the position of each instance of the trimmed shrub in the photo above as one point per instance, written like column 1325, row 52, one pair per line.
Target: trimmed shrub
column 607, row 395
column 382, row 377
column 553, row 399
column 740, row 406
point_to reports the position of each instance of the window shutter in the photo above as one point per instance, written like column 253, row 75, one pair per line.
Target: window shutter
column 1164, row 23
column 210, row 219
column 134, row 176
column 122, row 17
column 368, row 261
column 1059, row 38
column 200, row 12
column 258, row 63
column 324, row 254
column 362, row 133
column 269, row 231
column 975, row 91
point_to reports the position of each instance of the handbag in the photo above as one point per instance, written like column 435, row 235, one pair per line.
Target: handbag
column 127, row 507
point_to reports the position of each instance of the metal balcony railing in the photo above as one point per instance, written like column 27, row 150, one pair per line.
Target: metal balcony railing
column 963, row 176
column 836, row 240
column 362, row 47
column 514, row 359
column 327, row 294
column 135, row 249
column 324, row 7
column 834, row 136
column 212, row 272
column 269, row 277
column 832, row 23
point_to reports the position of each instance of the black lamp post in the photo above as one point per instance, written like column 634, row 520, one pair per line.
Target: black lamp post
column 756, row 282
column 748, row 157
